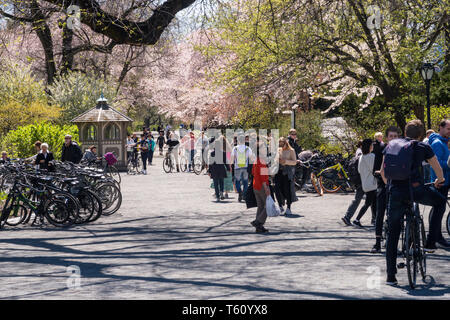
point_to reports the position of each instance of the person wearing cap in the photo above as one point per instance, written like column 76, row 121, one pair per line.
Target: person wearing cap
column 44, row 158
column 70, row 150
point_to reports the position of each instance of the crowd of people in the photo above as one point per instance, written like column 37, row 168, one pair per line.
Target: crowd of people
column 427, row 183
column 257, row 167
column 43, row 157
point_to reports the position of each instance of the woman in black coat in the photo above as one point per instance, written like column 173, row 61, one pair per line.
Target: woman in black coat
column 44, row 158
column 217, row 168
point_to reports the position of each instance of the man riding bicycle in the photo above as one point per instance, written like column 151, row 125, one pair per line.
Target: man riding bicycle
column 400, row 191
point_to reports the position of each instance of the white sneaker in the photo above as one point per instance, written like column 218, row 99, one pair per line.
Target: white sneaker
column 288, row 212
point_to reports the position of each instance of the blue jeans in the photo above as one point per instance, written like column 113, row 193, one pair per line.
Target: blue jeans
column 241, row 175
column 399, row 197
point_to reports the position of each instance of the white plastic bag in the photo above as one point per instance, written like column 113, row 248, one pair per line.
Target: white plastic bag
column 271, row 208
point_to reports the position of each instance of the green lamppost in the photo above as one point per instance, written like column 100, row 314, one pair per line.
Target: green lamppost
column 427, row 71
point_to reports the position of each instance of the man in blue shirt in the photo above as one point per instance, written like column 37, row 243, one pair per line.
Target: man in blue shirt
column 439, row 144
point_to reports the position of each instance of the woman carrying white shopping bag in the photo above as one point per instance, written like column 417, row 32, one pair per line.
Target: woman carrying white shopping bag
column 260, row 173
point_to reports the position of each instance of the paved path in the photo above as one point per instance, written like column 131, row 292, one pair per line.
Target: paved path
column 171, row 241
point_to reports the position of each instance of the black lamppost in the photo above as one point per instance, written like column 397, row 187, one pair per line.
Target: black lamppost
column 427, row 71
column 294, row 107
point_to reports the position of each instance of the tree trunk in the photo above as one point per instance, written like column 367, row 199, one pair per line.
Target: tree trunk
column 45, row 37
column 67, row 53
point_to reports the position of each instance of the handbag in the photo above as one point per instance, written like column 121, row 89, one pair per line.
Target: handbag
column 250, row 198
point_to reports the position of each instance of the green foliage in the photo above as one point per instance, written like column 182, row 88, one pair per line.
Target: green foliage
column 20, row 142
column 368, row 121
column 22, row 99
column 283, row 47
column 438, row 113
column 77, row 92
column 258, row 115
column 334, row 148
column 309, row 131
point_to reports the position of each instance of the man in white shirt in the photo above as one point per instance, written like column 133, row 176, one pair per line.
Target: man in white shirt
column 240, row 156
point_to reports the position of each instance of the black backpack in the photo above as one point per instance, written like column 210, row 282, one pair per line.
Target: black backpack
column 353, row 173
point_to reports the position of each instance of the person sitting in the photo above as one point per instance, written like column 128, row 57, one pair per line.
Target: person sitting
column 44, row 159
column 4, row 159
column 90, row 156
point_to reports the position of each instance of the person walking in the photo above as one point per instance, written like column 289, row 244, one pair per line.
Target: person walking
column 292, row 139
column 285, row 175
column 70, row 150
column 160, row 141
column 439, row 144
column 368, row 181
column 391, row 134
column 240, row 157
column 151, row 150
column 145, row 147
column 44, row 159
column 174, row 146
column 261, row 189
column 217, row 167
column 130, row 147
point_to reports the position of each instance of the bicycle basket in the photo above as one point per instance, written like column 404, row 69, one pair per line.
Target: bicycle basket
column 110, row 158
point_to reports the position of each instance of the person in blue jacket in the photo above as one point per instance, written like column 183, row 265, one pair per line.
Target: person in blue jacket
column 439, row 144
column 152, row 144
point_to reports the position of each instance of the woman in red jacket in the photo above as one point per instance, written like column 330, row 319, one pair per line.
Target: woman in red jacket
column 260, row 173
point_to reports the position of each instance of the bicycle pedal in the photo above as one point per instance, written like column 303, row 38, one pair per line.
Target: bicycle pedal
column 401, row 265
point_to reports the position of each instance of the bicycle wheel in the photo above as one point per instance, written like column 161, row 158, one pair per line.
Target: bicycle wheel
column 130, row 167
column 411, row 253
column 316, row 184
column 87, row 206
column 422, row 253
column 111, row 198
column 7, row 183
column 98, row 207
column 327, row 181
column 167, row 165
column 198, row 165
column 300, row 177
column 72, row 204
column 113, row 172
column 17, row 215
column 183, row 164
column 138, row 165
column 58, row 214
column 448, row 223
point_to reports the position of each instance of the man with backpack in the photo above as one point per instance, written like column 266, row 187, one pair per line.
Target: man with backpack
column 355, row 178
column 378, row 148
column 401, row 172
column 240, row 156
